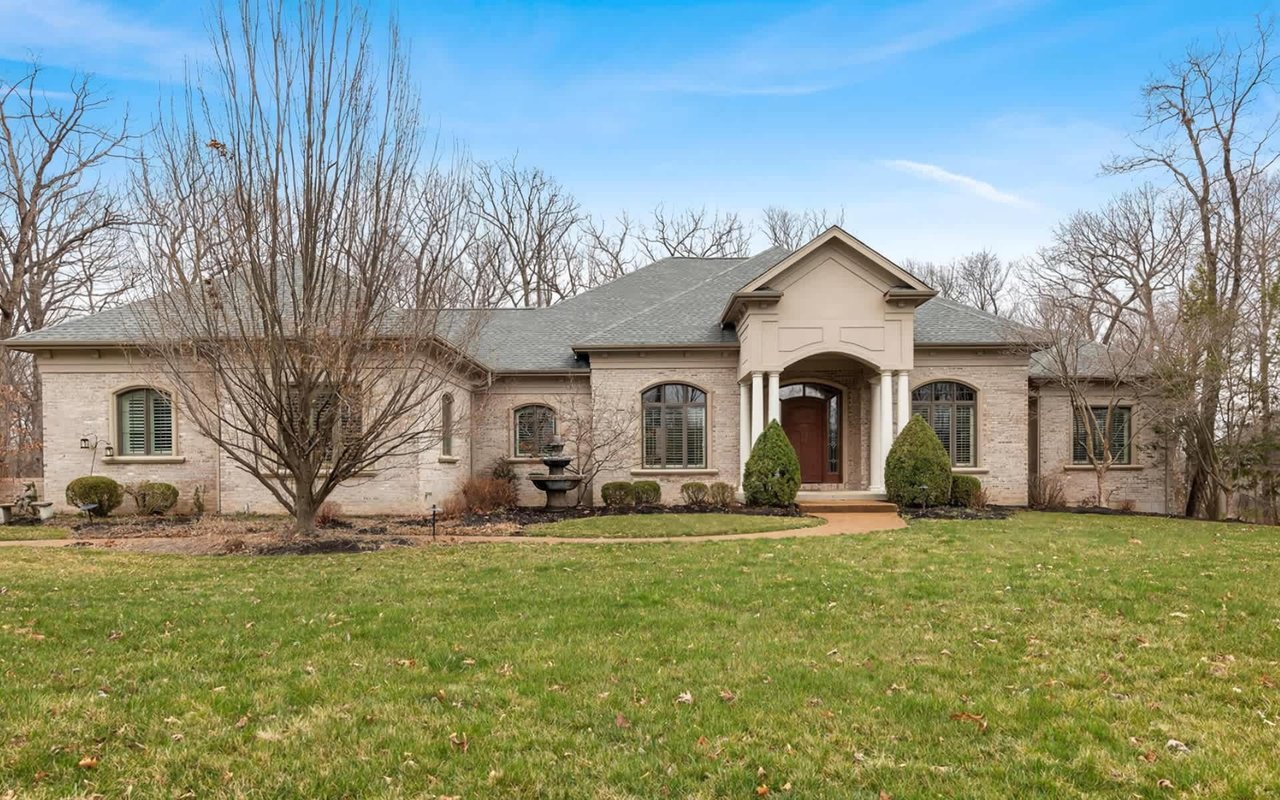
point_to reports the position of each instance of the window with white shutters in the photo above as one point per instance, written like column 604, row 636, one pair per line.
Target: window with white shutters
column 950, row 408
column 144, row 421
column 535, row 427
column 675, row 426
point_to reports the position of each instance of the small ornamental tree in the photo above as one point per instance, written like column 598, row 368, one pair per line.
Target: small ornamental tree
column 772, row 477
column 918, row 469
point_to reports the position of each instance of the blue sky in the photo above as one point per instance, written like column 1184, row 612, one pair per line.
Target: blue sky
column 940, row 127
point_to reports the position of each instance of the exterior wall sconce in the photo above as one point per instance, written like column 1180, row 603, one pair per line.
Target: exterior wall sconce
column 109, row 452
column 84, row 442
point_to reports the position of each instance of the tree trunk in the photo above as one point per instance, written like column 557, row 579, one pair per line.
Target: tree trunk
column 304, row 513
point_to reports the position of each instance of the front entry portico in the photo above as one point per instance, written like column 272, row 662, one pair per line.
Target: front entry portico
column 812, row 419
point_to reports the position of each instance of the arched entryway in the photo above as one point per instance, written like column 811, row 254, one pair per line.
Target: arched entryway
column 813, row 419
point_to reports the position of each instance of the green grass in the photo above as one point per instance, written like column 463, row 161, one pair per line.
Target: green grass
column 1082, row 641
column 14, row 533
column 641, row 525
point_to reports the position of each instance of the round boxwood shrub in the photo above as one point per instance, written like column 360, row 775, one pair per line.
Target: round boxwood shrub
column 647, row 493
column 618, row 494
column 965, row 490
column 918, row 470
column 720, row 494
column 153, row 497
column 694, row 493
column 98, row 489
column 772, row 476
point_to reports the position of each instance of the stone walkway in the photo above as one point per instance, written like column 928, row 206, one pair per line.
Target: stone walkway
column 835, row 525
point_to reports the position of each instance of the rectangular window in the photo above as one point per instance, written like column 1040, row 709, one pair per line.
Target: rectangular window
column 1118, row 439
column 335, row 423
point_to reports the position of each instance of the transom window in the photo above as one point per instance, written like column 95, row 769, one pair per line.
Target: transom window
column 145, row 421
column 1117, row 439
column 832, row 397
column 950, row 408
column 534, row 430
column 675, row 427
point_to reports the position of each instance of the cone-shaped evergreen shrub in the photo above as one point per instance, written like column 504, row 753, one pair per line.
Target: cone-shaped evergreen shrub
column 918, row 470
column 772, row 477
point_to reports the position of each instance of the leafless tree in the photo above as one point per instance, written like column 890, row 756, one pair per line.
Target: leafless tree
column 1097, row 377
column 694, row 233
column 295, row 307
column 528, row 220
column 608, row 251
column 1123, row 260
column 979, row 279
column 61, row 232
column 1210, row 128
column 794, row 229
column 604, row 427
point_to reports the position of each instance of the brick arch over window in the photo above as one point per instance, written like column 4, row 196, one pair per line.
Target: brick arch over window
column 951, row 409
column 144, row 422
column 674, row 426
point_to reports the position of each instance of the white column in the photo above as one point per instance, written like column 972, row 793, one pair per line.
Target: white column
column 886, row 421
column 757, row 406
column 874, row 459
column 904, row 400
column 744, row 428
column 775, row 402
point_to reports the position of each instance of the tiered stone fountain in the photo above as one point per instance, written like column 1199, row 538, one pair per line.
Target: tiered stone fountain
column 557, row 483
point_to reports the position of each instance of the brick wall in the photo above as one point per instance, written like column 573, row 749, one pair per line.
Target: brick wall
column 1001, row 383
column 1141, row 485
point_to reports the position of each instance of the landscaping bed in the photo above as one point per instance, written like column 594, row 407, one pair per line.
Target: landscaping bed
column 655, row 525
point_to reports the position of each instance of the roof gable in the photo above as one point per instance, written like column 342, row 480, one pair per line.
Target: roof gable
column 896, row 275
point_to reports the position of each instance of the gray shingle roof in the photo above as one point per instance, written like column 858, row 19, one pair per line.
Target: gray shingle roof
column 675, row 301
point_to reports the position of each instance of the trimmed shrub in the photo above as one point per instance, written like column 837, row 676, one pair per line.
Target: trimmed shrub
column 197, row 500
column 647, row 493
column 772, row 477
column 966, row 491
column 918, row 469
column 720, row 494
column 618, row 494
column 96, row 489
column 482, row 495
column 694, row 493
column 153, row 497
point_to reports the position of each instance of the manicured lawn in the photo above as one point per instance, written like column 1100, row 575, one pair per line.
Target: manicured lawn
column 13, row 533
column 641, row 525
column 1079, row 646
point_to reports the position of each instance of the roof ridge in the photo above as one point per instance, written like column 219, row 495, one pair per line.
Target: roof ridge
column 670, row 298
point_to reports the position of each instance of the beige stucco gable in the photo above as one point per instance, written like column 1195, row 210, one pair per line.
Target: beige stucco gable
column 834, row 295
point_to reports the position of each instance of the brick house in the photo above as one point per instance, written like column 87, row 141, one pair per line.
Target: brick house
column 833, row 340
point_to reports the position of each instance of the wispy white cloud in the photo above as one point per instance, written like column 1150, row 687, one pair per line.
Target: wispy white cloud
column 93, row 36
column 974, row 186
column 806, row 53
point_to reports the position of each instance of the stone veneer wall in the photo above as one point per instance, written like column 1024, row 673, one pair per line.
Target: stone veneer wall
column 1144, row 485
column 1001, row 382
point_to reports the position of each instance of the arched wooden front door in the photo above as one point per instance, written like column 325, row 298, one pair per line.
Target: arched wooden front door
column 811, row 419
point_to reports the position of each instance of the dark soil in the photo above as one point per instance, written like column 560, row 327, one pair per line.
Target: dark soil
column 308, row 546
column 959, row 512
column 536, row 516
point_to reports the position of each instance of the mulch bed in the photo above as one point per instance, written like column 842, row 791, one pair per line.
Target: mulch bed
column 537, row 516
column 959, row 512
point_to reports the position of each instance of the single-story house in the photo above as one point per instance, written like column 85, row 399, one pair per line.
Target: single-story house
column 692, row 357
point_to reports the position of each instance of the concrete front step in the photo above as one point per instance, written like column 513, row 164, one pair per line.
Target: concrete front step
column 822, row 506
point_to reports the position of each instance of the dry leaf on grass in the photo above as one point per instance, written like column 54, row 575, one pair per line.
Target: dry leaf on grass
column 685, row 697
column 977, row 719
column 459, row 742
column 728, row 696
column 621, row 721
column 88, row 762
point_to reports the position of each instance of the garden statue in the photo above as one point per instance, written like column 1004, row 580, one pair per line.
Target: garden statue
column 25, row 503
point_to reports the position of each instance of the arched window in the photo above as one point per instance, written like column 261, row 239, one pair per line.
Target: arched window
column 534, row 430
column 950, row 408
column 446, row 425
column 144, row 423
column 675, row 426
